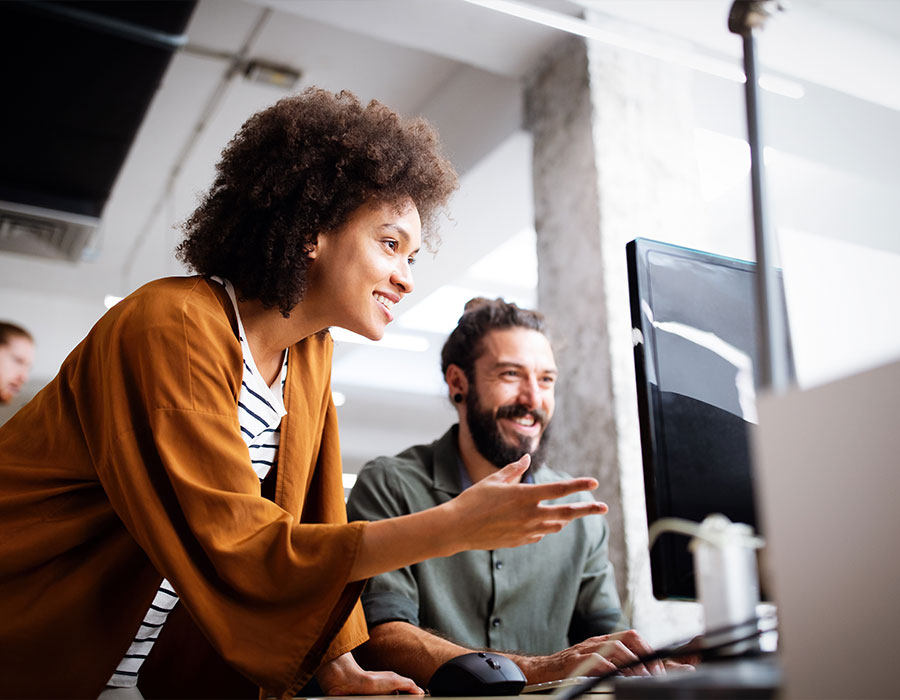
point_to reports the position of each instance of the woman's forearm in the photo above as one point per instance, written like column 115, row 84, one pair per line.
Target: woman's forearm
column 397, row 542
column 495, row 513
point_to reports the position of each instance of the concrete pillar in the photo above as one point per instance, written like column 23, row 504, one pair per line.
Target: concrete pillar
column 570, row 277
column 613, row 160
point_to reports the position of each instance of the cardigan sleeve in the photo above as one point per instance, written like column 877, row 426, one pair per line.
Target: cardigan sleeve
column 328, row 506
column 268, row 588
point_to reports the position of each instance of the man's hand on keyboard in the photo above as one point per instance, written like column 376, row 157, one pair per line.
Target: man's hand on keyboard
column 592, row 657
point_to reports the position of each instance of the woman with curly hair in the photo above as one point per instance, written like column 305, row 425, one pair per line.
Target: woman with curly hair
column 172, row 504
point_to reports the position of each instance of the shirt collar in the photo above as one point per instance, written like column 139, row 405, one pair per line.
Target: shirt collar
column 267, row 405
column 450, row 474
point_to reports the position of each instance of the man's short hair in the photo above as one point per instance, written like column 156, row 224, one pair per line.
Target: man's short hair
column 8, row 331
column 480, row 317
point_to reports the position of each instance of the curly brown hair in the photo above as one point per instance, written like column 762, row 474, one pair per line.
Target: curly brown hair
column 300, row 168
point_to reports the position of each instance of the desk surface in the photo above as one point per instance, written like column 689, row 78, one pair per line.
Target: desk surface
column 756, row 678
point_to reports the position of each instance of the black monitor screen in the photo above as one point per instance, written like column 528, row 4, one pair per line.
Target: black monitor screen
column 695, row 348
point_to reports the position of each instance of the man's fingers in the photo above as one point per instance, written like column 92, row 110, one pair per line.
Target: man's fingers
column 600, row 666
column 657, row 667
column 606, row 664
column 639, row 646
column 623, row 658
column 671, row 665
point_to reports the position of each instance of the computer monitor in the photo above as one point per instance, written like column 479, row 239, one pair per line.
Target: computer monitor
column 695, row 347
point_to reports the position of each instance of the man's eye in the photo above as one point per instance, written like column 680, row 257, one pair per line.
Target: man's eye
column 411, row 261
column 390, row 243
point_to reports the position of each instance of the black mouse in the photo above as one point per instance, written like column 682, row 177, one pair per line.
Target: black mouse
column 477, row 673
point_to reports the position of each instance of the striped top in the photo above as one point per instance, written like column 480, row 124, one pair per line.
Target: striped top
column 260, row 410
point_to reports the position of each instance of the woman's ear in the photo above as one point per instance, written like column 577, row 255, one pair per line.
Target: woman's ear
column 312, row 249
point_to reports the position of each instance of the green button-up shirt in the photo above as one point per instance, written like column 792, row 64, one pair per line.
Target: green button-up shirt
column 538, row 598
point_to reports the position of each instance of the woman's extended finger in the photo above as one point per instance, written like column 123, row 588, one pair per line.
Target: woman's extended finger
column 569, row 511
column 558, row 489
column 513, row 471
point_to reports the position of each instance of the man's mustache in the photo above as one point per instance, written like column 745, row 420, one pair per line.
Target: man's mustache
column 518, row 410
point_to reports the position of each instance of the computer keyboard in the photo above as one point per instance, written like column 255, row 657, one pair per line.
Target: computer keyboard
column 604, row 687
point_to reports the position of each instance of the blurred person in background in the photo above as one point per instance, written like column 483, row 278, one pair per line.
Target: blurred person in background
column 16, row 359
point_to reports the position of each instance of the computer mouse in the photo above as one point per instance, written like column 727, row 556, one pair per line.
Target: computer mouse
column 477, row 673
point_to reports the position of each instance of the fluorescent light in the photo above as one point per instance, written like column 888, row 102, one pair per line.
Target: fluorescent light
column 583, row 28
column 780, row 86
column 110, row 301
column 349, row 480
column 689, row 59
column 338, row 398
column 392, row 341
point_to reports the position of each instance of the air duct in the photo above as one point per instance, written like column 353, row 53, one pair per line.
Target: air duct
column 78, row 79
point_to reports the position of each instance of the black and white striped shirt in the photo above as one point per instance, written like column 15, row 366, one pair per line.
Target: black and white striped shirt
column 260, row 410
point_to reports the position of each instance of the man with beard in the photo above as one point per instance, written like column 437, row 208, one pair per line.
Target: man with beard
column 554, row 601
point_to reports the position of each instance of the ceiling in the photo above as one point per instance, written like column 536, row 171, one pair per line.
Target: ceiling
column 459, row 63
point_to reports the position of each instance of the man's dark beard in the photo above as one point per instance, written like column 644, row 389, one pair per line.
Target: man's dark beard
column 490, row 442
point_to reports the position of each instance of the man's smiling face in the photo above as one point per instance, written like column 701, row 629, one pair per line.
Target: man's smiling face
column 510, row 403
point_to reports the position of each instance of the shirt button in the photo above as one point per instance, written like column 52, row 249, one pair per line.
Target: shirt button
column 498, row 565
column 496, row 622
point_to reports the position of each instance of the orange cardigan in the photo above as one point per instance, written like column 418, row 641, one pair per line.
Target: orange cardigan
column 129, row 467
